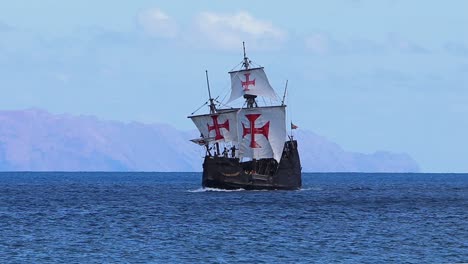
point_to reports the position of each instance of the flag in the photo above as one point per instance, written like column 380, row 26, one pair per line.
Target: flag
column 293, row 126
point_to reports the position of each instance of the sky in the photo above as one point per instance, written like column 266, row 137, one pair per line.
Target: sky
column 369, row 75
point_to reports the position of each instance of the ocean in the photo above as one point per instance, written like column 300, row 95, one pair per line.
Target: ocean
column 68, row 217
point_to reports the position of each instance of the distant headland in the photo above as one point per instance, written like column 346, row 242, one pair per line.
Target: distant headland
column 36, row 140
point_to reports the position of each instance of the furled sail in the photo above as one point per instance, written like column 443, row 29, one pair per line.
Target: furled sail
column 262, row 132
column 250, row 81
column 217, row 127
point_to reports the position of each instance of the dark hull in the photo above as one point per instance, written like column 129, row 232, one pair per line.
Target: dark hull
column 263, row 174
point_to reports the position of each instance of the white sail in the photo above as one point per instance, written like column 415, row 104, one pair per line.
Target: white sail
column 262, row 132
column 217, row 127
column 250, row 81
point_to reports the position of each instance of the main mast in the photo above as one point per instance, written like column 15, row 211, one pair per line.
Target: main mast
column 249, row 98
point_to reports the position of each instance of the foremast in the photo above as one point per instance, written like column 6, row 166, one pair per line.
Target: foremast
column 212, row 111
column 211, row 100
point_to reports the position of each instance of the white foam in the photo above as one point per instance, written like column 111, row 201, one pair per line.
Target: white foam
column 208, row 189
column 311, row 189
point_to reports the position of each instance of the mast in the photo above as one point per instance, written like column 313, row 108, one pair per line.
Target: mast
column 284, row 95
column 212, row 108
column 212, row 105
column 249, row 98
column 246, row 62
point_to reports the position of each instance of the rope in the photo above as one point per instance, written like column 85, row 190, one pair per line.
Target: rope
column 221, row 104
column 237, row 66
column 199, row 107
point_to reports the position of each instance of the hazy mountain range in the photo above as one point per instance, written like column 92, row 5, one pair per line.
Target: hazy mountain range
column 35, row 140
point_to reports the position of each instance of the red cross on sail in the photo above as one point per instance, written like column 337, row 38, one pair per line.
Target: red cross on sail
column 247, row 82
column 217, row 127
column 251, row 81
column 262, row 132
column 220, row 127
column 252, row 130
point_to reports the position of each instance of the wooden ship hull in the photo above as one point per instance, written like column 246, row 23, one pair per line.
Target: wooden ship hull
column 263, row 174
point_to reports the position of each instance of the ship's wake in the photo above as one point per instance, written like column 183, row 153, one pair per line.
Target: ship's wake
column 208, row 189
column 310, row 189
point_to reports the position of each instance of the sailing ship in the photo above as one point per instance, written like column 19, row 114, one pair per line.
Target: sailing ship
column 246, row 147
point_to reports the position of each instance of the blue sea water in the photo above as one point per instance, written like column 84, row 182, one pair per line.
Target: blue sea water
column 167, row 218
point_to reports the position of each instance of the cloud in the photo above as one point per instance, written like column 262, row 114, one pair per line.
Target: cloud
column 399, row 43
column 229, row 30
column 156, row 23
column 318, row 43
column 457, row 49
column 5, row 27
column 460, row 108
column 322, row 43
column 463, row 68
column 62, row 77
